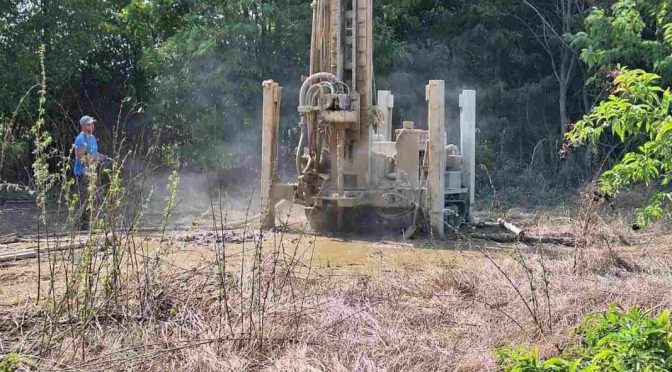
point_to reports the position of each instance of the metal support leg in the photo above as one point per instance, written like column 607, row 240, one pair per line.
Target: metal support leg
column 385, row 106
column 269, row 150
column 468, row 144
column 436, row 109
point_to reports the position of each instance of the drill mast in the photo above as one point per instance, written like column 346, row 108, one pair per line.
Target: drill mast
column 347, row 175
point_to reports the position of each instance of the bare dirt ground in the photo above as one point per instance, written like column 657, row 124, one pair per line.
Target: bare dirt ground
column 365, row 303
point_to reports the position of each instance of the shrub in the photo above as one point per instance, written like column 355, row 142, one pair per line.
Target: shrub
column 9, row 363
column 610, row 341
column 638, row 111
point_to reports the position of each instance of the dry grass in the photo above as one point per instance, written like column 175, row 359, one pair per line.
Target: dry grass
column 445, row 314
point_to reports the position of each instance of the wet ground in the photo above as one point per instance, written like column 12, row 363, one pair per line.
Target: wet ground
column 193, row 227
column 345, row 255
column 193, row 241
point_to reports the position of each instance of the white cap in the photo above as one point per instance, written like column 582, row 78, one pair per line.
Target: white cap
column 86, row 119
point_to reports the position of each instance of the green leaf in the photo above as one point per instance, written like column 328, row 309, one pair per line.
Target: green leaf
column 665, row 129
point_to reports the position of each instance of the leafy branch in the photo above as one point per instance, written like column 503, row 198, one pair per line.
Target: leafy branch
column 637, row 108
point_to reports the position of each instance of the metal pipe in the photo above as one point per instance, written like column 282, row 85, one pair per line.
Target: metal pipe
column 313, row 38
column 355, row 38
column 308, row 123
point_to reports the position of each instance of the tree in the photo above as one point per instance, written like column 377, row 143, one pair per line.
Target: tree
column 635, row 33
column 93, row 54
column 637, row 111
column 557, row 19
column 207, row 87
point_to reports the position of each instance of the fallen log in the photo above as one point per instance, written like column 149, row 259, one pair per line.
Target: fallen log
column 497, row 237
column 32, row 253
column 522, row 236
column 482, row 224
column 513, row 228
column 532, row 239
column 149, row 229
column 9, row 238
column 529, row 240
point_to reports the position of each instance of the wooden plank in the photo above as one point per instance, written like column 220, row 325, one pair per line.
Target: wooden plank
column 32, row 253
column 513, row 228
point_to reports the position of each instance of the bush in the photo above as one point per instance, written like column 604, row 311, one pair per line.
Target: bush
column 610, row 341
column 9, row 363
column 637, row 112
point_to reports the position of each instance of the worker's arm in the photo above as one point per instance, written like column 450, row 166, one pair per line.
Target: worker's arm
column 84, row 157
column 102, row 157
column 81, row 152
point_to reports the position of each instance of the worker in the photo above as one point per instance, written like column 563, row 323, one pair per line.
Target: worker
column 86, row 158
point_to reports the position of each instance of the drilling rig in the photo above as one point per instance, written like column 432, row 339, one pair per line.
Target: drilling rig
column 351, row 172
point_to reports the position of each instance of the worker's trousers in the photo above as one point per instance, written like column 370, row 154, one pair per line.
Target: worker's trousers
column 82, row 181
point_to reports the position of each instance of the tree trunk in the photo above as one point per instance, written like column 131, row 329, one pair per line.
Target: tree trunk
column 563, row 110
column 567, row 67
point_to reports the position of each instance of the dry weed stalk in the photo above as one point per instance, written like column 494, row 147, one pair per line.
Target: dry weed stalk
column 121, row 280
column 595, row 237
column 538, row 290
column 587, row 224
column 439, row 315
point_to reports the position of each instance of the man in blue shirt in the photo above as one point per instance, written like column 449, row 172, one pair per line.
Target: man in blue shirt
column 86, row 155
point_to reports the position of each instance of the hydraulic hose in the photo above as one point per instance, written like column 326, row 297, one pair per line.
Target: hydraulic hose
column 312, row 79
column 311, row 94
column 299, row 149
column 309, row 164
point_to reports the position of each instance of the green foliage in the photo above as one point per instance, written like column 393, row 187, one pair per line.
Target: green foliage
column 10, row 362
column 522, row 359
column 637, row 33
column 485, row 154
column 639, row 111
column 196, row 66
column 613, row 340
column 208, row 73
column 92, row 60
